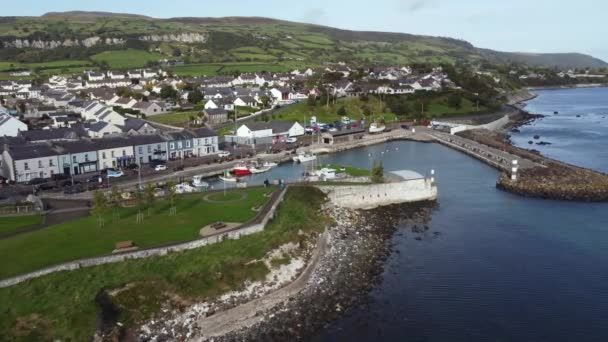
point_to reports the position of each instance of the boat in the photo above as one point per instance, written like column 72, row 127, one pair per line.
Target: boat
column 184, row 188
column 197, row 182
column 270, row 164
column 229, row 179
column 376, row 128
column 261, row 169
column 241, row 170
column 303, row 158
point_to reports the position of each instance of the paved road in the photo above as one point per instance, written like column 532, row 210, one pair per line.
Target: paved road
column 495, row 157
column 246, row 315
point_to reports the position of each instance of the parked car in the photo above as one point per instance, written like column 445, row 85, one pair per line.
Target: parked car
column 133, row 166
column 178, row 168
column 115, row 173
column 36, row 181
column 160, row 167
column 224, row 154
column 60, row 177
column 45, row 186
column 74, row 189
column 95, row 178
column 291, row 140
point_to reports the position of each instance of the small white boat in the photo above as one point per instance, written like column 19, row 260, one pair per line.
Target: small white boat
column 261, row 169
column 270, row 164
column 376, row 128
column 303, row 158
column 229, row 179
column 197, row 181
column 325, row 173
column 184, row 188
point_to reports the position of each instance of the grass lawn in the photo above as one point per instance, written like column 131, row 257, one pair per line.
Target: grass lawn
column 349, row 170
column 180, row 119
column 16, row 223
column 62, row 305
column 83, row 238
column 126, row 59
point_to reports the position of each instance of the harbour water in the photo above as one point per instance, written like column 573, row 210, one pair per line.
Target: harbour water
column 503, row 267
column 577, row 133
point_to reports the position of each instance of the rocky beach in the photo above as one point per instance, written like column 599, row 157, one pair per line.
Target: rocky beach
column 296, row 300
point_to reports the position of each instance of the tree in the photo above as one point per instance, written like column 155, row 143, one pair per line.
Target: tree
column 99, row 206
column 195, row 96
column 172, row 196
column 455, row 100
column 341, row 111
column 149, row 197
column 366, row 110
column 312, row 101
column 168, row 92
column 115, row 196
column 377, row 173
column 265, row 101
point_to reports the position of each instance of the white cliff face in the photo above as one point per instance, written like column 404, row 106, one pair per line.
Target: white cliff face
column 92, row 41
column 53, row 44
column 180, row 37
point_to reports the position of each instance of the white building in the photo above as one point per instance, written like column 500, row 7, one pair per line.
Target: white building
column 274, row 129
column 10, row 126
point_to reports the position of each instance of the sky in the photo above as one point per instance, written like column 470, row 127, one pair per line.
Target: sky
column 505, row 25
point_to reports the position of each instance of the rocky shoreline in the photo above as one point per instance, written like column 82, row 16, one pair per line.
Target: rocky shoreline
column 553, row 179
column 341, row 277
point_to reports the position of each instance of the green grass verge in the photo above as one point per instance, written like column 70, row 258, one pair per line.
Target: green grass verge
column 62, row 305
column 126, row 59
column 16, row 223
column 84, row 238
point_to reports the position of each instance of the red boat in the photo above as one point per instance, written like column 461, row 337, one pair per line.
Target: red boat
column 241, row 170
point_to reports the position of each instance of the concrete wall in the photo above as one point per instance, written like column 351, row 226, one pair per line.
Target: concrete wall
column 378, row 195
column 152, row 252
column 492, row 126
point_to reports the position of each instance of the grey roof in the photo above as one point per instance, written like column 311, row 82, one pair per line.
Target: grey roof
column 215, row 111
column 53, row 134
column 30, row 151
column 98, row 126
column 276, row 126
column 407, row 174
column 204, row 133
column 132, row 123
column 145, row 139
column 76, row 146
column 183, row 135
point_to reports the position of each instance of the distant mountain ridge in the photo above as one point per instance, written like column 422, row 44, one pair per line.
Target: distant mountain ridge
column 252, row 39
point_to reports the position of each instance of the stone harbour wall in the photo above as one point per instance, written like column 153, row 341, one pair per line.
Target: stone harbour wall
column 378, row 195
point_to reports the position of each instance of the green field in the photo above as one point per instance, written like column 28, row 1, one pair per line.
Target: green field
column 16, row 223
column 197, row 70
column 62, row 305
column 178, row 119
column 127, row 59
column 353, row 106
column 83, row 238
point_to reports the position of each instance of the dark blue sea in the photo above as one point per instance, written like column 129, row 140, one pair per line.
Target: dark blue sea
column 504, row 267
column 578, row 133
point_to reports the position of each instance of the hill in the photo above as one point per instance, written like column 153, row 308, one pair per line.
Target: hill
column 80, row 35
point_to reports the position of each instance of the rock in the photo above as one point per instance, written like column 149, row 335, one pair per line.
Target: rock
column 536, row 137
